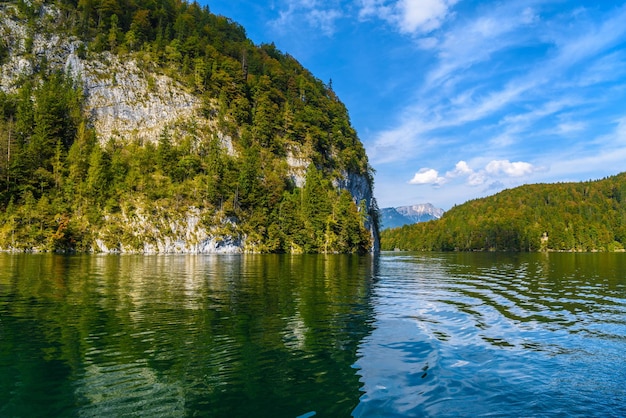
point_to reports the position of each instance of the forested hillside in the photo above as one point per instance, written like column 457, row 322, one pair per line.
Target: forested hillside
column 251, row 151
column 588, row 216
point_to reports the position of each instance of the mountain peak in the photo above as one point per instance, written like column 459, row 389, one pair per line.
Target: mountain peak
column 406, row 215
column 420, row 209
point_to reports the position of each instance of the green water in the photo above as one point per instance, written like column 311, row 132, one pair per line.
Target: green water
column 181, row 335
column 325, row 336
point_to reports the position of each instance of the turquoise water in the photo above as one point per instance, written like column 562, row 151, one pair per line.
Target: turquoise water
column 403, row 334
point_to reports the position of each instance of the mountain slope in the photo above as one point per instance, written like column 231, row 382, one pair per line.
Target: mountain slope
column 407, row 215
column 587, row 216
column 159, row 127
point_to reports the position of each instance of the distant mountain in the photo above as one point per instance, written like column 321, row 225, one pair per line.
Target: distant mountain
column 406, row 215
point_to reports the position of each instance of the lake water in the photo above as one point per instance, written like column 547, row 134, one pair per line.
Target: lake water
column 400, row 335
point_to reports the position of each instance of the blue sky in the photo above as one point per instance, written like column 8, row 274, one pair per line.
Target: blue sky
column 460, row 99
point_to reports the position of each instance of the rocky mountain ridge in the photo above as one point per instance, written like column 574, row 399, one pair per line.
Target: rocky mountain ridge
column 406, row 215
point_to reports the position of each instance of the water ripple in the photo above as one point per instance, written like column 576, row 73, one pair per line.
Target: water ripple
column 489, row 335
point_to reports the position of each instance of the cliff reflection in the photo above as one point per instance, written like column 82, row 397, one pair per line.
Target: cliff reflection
column 271, row 335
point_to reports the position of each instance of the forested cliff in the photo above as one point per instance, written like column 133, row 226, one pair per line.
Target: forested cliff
column 586, row 216
column 157, row 126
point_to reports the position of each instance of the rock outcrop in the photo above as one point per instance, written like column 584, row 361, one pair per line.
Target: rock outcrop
column 360, row 187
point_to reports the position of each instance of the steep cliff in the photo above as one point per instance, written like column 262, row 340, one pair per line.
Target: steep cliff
column 127, row 130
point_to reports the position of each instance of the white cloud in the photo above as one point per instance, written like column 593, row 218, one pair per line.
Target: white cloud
column 375, row 8
column 607, row 68
column 620, row 131
column 409, row 16
column 515, row 169
column 440, row 103
column 401, row 143
column 422, row 16
column 529, row 16
column 490, row 104
column 510, row 102
column 427, row 42
column 531, row 84
column 315, row 14
column 517, row 128
column 608, row 159
column 569, row 127
column 324, row 19
column 592, row 41
column 476, row 41
column 476, row 179
column 427, row 176
column 495, row 170
column 461, row 169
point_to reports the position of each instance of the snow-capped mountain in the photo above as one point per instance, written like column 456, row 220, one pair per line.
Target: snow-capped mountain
column 404, row 215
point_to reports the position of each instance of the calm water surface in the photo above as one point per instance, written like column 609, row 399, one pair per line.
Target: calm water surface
column 403, row 334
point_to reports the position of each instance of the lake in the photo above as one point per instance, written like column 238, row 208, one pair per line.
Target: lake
column 397, row 335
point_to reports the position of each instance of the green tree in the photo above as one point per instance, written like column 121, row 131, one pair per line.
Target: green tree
column 98, row 175
column 114, row 33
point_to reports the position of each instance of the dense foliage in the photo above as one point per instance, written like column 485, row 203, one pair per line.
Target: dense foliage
column 61, row 186
column 588, row 216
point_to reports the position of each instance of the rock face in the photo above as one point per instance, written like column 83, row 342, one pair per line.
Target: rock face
column 161, row 233
column 126, row 100
column 406, row 215
column 123, row 98
column 360, row 187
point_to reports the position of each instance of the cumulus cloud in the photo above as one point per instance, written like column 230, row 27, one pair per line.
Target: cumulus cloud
column 427, row 176
column 461, row 168
column 409, row 16
column 493, row 172
column 516, row 169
